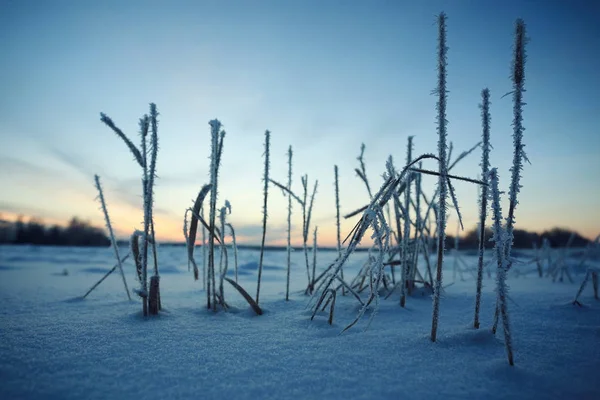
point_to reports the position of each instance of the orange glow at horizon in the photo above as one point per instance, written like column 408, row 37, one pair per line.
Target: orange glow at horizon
column 126, row 219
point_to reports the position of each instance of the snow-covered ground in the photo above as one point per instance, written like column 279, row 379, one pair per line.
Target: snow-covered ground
column 55, row 345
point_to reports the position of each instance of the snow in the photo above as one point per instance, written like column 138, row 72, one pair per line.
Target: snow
column 53, row 345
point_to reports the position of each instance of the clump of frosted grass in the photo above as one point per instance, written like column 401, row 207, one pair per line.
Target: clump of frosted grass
column 148, row 175
column 214, row 297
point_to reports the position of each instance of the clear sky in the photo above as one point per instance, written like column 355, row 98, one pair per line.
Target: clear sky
column 322, row 76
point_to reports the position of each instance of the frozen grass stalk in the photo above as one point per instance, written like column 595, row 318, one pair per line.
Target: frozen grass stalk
column 304, row 180
column 110, row 271
column 154, row 296
column 144, row 126
column 215, row 126
column 223, row 264
column 190, row 238
column 289, row 226
column 500, row 238
column 418, row 224
column 204, row 253
column 264, row 224
column 518, row 76
column 306, row 215
column 235, row 251
column 362, row 172
column 311, row 281
column 442, row 189
column 406, row 237
column 110, row 232
column 593, row 274
column 337, row 223
column 485, row 166
column 314, row 267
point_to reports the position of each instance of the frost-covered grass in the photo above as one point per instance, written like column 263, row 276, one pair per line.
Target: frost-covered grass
column 53, row 345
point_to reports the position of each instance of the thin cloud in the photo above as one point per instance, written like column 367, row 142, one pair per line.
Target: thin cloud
column 12, row 164
column 74, row 161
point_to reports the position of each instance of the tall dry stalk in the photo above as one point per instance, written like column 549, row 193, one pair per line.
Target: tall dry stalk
column 337, row 222
column 306, row 215
column 500, row 238
column 216, row 151
column 518, row 76
column 441, row 125
column 264, row 223
column 362, row 172
column 485, row 166
column 204, row 252
column 314, row 251
column 235, row 250
column 223, row 261
column 304, row 180
column 110, row 232
column 418, row 228
column 144, row 126
column 154, row 303
column 289, row 227
column 406, row 237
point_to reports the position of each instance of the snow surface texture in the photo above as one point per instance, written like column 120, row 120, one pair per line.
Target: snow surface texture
column 54, row 345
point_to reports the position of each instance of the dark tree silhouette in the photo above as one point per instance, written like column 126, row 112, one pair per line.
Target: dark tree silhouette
column 77, row 233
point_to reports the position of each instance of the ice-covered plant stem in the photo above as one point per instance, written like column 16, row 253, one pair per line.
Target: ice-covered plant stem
column 215, row 130
column 154, row 302
column 518, row 77
column 314, row 249
column 306, row 215
column 264, row 223
column 110, row 232
column 362, row 172
column 289, row 226
column 442, row 162
column 235, row 250
column 337, row 222
column 144, row 126
column 485, row 166
column 406, row 237
column 223, row 259
column 204, row 253
column 500, row 238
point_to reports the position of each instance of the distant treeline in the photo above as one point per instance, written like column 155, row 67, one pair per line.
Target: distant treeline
column 82, row 233
column 558, row 237
column 76, row 233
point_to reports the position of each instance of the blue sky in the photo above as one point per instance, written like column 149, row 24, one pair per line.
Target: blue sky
column 322, row 76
